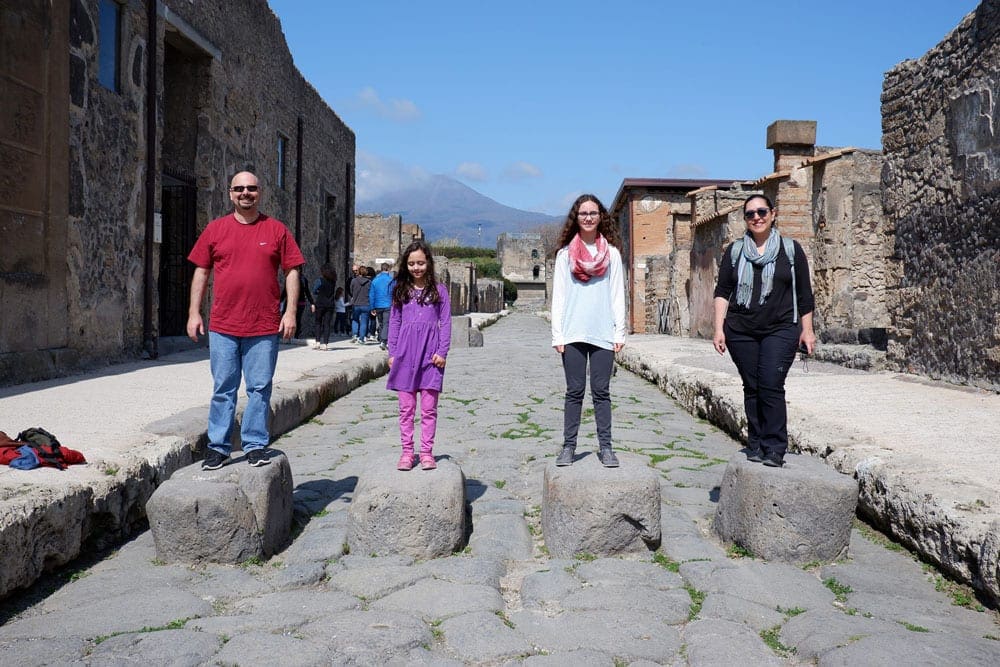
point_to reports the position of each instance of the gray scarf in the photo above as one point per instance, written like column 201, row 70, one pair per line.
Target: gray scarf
column 744, row 289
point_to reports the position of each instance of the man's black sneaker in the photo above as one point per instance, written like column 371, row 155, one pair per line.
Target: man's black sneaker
column 607, row 458
column 565, row 457
column 213, row 460
column 755, row 455
column 774, row 460
column 257, row 458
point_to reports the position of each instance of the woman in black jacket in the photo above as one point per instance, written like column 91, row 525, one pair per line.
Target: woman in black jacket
column 763, row 314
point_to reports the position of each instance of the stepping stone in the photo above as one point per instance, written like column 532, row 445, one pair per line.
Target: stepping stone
column 227, row 515
column 587, row 508
column 800, row 513
column 418, row 513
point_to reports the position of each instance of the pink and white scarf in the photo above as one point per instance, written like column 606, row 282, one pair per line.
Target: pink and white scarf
column 582, row 264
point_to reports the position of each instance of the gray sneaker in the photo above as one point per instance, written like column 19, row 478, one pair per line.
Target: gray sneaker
column 607, row 458
column 565, row 457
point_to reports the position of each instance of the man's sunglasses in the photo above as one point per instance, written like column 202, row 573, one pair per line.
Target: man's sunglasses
column 241, row 188
column 759, row 212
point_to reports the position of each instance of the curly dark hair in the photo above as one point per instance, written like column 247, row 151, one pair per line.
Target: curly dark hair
column 605, row 228
column 404, row 288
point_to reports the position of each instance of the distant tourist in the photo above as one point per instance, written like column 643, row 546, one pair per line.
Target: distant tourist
column 245, row 248
column 340, row 325
column 419, row 339
column 588, row 319
column 764, row 313
column 360, row 308
column 381, row 300
column 326, row 305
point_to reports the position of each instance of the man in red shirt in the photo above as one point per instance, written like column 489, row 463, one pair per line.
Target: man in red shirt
column 245, row 248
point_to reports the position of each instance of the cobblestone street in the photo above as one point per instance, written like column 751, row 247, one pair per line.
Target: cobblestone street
column 503, row 600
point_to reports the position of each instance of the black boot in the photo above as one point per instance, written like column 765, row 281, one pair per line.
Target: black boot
column 566, row 456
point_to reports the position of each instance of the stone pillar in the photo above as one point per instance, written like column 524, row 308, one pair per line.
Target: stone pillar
column 587, row 508
column 419, row 513
column 796, row 514
column 793, row 141
column 222, row 516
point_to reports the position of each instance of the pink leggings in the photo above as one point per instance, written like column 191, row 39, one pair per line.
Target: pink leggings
column 428, row 418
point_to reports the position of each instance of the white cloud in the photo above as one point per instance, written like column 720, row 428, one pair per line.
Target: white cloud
column 521, row 170
column 377, row 175
column 397, row 110
column 471, row 171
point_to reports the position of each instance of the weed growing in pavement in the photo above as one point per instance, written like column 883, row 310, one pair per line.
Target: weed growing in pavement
column 771, row 638
column 913, row 628
column 503, row 617
column 666, row 562
column 317, row 421
column 500, row 483
column 697, row 599
column 158, row 561
column 584, row 556
column 877, row 537
column 176, row 624
column 436, row 631
column 838, row 589
column 812, row 565
column 463, row 401
column 960, row 594
column 794, row 611
column 320, row 513
column 737, row 551
column 993, row 637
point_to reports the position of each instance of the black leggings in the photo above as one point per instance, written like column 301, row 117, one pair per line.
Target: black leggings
column 763, row 362
column 575, row 357
column 324, row 318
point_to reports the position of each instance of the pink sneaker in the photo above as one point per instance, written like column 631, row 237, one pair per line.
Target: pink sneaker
column 427, row 462
column 406, row 462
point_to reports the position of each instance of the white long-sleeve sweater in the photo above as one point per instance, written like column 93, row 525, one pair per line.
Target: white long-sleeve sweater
column 588, row 312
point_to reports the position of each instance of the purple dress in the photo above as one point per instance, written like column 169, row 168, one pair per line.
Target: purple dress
column 416, row 333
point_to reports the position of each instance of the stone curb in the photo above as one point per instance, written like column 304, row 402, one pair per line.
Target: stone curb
column 890, row 494
column 46, row 528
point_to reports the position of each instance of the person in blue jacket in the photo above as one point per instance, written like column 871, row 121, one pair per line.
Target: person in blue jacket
column 380, row 300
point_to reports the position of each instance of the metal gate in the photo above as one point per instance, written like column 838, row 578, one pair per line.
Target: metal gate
column 179, row 224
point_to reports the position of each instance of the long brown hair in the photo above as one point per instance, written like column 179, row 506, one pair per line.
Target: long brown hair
column 404, row 288
column 571, row 227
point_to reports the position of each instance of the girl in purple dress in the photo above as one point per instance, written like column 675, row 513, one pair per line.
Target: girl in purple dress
column 419, row 338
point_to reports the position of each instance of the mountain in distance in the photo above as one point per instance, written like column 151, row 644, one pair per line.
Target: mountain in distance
column 446, row 208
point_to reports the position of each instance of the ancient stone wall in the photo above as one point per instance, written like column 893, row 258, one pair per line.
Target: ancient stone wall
column 941, row 137
column 716, row 222
column 848, row 248
column 223, row 105
column 521, row 257
column 377, row 238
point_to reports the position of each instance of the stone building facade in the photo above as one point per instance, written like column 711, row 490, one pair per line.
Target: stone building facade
column 145, row 106
column 941, row 137
column 653, row 216
column 829, row 201
column 522, row 261
column 381, row 238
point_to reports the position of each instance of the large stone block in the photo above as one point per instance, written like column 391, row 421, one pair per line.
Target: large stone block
column 460, row 327
column 587, row 508
column 222, row 516
column 800, row 513
column 418, row 513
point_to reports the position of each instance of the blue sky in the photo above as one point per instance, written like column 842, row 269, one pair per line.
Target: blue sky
column 532, row 103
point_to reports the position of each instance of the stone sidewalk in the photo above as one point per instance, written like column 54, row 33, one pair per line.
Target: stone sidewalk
column 503, row 600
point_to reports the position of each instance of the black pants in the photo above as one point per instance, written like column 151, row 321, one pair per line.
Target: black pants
column 763, row 362
column 382, row 317
column 575, row 357
column 324, row 319
column 340, row 325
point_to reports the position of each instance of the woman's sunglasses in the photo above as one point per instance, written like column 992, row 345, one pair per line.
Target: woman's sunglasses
column 759, row 212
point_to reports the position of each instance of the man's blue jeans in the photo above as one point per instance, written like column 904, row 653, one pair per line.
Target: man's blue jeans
column 359, row 322
column 254, row 358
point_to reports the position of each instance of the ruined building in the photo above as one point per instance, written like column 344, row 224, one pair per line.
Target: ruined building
column 941, row 192
column 381, row 238
column 654, row 219
column 522, row 262
column 121, row 126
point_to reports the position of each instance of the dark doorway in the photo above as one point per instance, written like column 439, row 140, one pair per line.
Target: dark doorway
column 179, row 225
